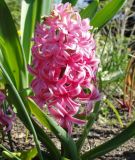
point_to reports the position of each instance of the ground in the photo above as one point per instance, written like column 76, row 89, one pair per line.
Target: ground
column 100, row 133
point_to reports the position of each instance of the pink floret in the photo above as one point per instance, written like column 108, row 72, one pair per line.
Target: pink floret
column 6, row 118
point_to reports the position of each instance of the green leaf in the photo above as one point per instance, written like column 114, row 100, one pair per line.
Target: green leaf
column 24, row 155
column 44, row 138
column 108, row 77
column 7, row 154
column 88, row 126
column 73, row 2
column 107, row 13
column 30, row 16
column 60, row 133
column 11, row 54
column 108, row 146
column 90, row 10
column 21, row 110
column 115, row 111
column 27, row 155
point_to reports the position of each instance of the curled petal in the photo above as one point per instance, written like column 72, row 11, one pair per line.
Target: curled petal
column 7, row 119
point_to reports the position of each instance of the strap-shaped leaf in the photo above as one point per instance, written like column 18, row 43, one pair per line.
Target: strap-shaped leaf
column 88, row 126
column 44, row 138
column 48, row 122
column 73, row 2
column 107, row 13
column 30, row 16
column 21, row 110
column 90, row 10
column 11, row 52
column 108, row 146
column 7, row 154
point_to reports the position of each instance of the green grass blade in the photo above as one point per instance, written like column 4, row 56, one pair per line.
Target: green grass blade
column 48, row 122
column 10, row 156
column 107, row 13
column 108, row 146
column 90, row 10
column 30, row 16
column 111, row 76
column 11, row 52
column 21, row 110
column 7, row 154
column 88, row 126
column 115, row 111
column 73, row 2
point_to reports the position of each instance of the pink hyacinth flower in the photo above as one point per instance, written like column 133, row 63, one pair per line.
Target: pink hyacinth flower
column 64, row 65
column 5, row 119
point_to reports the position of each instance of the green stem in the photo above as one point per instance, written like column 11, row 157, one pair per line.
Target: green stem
column 88, row 126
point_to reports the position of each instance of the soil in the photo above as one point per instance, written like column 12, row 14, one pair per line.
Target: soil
column 101, row 132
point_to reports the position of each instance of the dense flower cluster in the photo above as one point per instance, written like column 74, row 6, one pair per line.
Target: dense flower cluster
column 64, row 65
column 5, row 118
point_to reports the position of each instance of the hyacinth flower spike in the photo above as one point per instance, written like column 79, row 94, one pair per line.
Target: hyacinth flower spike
column 64, row 64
